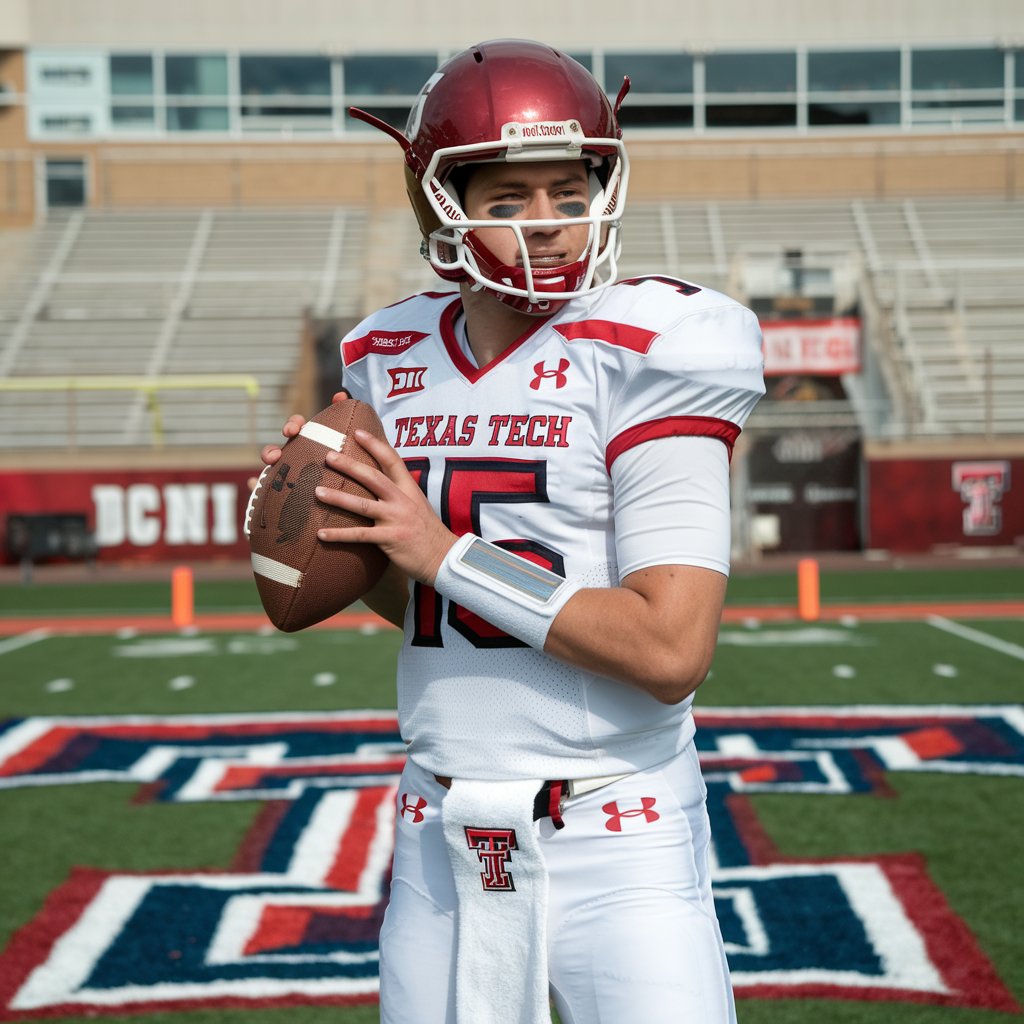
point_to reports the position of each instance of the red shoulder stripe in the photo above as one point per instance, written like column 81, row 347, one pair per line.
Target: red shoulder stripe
column 672, row 426
column 636, row 339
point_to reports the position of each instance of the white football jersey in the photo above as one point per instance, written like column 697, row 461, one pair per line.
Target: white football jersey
column 522, row 453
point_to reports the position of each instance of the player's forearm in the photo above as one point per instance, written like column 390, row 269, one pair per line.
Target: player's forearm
column 656, row 632
column 621, row 634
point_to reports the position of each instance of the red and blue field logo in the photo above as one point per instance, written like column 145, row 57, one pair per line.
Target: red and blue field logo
column 296, row 919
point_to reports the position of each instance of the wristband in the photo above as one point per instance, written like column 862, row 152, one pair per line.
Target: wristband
column 512, row 593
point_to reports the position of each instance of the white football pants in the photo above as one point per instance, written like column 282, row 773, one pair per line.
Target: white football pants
column 632, row 932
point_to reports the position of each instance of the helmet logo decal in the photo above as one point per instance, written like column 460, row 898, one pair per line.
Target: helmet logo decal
column 567, row 135
column 416, row 115
column 444, row 201
column 541, row 130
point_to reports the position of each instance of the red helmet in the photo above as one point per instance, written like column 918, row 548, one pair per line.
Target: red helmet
column 513, row 100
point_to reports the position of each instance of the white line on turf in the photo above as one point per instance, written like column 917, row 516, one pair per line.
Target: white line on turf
column 13, row 643
column 976, row 636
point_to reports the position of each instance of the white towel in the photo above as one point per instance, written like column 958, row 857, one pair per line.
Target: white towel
column 501, row 974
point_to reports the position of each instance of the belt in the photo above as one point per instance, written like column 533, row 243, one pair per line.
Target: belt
column 550, row 799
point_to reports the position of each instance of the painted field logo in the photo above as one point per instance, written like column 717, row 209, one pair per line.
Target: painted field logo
column 297, row 917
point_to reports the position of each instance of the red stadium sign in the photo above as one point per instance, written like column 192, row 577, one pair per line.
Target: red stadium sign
column 145, row 515
column 823, row 348
column 921, row 504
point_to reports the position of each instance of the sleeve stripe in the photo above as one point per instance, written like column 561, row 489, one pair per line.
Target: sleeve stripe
column 636, row 339
column 672, row 426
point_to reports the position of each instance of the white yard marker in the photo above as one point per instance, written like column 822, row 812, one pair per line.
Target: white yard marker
column 13, row 643
column 976, row 636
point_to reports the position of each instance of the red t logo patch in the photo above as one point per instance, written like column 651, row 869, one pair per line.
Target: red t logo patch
column 494, row 848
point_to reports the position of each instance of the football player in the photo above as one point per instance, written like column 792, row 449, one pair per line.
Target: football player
column 554, row 502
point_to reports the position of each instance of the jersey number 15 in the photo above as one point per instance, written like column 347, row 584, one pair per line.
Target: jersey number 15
column 468, row 484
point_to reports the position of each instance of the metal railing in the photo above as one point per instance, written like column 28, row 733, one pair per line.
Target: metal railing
column 148, row 387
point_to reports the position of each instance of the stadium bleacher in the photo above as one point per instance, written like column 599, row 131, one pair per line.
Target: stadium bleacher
column 154, row 294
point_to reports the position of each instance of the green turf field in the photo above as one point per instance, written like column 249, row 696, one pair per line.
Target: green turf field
column 765, row 587
column 967, row 827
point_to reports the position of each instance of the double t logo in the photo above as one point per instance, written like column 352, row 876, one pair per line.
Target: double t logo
column 494, row 847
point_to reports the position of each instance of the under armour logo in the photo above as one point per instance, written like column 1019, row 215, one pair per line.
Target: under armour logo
column 494, row 848
column 615, row 816
column 415, row 808
column 543, row 373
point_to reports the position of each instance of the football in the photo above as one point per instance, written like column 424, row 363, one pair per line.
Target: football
column 302, row 580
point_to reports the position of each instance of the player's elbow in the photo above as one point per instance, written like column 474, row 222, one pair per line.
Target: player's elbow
column 670, row 676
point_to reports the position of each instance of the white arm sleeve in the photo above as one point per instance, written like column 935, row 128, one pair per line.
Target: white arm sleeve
column 671, row 502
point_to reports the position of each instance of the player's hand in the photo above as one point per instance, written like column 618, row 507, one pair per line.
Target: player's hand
column 404, row 525
column 270, row 453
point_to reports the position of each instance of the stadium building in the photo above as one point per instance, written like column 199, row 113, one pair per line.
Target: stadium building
column 191, row 219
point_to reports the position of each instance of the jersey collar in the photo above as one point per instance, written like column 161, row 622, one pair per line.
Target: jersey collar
column 459, row 360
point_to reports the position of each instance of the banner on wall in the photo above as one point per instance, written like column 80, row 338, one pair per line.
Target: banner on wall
column 920, row 504
column 144, row 515
column 823, row 348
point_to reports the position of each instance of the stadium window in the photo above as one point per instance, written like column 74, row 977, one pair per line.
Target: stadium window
column 956, row 69
column 131, row 86
column 649, row 72
column 955, row 113
column 125, row 117
column 853, row 70
column 285, row 76
column 750, row 72
column 181, row 118
column 285, row 93
column 750, row 115
column 662, row 115
column 852, row 113
column 384, row 75
column 196, row 75
column 1018, row 78
column 65, row 181
column 131, row 74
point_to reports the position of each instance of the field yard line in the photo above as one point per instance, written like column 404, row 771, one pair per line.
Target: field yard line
column 976, row 636
column 23, row 640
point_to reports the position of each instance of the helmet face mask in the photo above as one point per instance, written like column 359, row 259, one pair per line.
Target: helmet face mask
column 512, row 102
column 458, row 251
